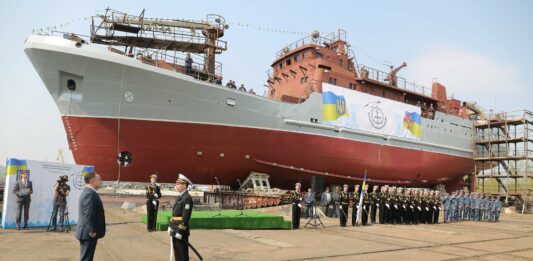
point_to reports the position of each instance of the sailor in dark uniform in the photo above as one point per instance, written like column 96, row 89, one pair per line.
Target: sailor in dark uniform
column 366, row 206
column 382, row 207
column 417, row 204
column 408, row 208
column 355, row 203
column 400, row 214
column 296, row 201
column 437, row 203
column 179, row 223
column 345, row 200
column 153, row 193
column 432, row 207
column 374, row 203
column 394, row 206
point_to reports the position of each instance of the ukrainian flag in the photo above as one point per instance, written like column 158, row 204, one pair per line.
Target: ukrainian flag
column 413, row 123
column 14, row 165
column 333, row 106
column 87, row 169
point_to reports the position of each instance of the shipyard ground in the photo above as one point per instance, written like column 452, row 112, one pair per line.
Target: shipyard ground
column 127, row 239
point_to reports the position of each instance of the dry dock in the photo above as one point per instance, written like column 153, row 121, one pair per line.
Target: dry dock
column 127, row 239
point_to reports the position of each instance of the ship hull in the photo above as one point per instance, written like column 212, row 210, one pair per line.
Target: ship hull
column 205, row 151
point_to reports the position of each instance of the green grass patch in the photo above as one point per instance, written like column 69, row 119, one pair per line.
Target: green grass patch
column 230, row 219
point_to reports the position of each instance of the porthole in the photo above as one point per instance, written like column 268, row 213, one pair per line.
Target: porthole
column 71, row 84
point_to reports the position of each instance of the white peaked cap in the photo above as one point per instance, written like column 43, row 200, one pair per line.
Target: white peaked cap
column 182, row 177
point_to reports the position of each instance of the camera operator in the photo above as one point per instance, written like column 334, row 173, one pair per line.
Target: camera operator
column 61, row 191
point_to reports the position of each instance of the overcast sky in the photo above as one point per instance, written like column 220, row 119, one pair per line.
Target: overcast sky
column 480, row 50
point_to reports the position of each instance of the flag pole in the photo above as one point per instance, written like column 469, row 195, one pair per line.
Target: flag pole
column 361, row 200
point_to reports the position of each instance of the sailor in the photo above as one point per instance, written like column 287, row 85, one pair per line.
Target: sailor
column 345, row 200
column 242, row 88
column 417, row 205
column 497, row 207
column 454, row 206
column 481, row 207
column 486, row 209
column 408, row 207
column 296, row 200
column 382, row 206
column 492, row 208
column 460, row 205
column 431, row 211
column 355, row 204
column 153, row 194
column 393, row 201
column 437, row 204
column 466, row 206
column 366, row 206
column 402, row 207
column 374, row 203
column 181, row 215
column 471, row 205
column 426, row 207
column 447, row 203
column 476, row 206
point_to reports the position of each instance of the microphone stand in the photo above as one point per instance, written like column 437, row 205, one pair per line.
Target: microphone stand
column 220, row 201
column 242, row 197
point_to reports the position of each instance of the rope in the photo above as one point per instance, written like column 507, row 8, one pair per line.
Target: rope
column 119, row 117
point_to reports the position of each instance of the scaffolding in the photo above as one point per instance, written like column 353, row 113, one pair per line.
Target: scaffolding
column 503, row 155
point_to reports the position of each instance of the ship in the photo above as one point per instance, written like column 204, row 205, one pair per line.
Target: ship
column 143, row 95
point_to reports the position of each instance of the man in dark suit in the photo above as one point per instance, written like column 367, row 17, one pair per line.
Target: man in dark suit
column 23, row 189
column 91, row 218
column 181, row 215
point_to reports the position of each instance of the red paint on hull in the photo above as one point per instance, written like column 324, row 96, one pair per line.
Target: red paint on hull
column 168, row 148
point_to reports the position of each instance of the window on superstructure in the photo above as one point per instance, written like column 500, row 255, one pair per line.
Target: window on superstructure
column 296, row 58
column 340, row 62
column 303, row 80
column 303, row 55
column 318, row 55
column 288, row 61
column 281, row 65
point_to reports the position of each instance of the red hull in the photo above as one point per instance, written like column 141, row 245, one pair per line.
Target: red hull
column 204, row 151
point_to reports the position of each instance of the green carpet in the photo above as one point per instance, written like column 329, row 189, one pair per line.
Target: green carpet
column 230, row 219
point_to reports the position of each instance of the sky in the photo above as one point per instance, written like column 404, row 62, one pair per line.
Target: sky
column 480, row 50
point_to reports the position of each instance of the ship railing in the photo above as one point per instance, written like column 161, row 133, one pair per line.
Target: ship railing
column 178, row 59
column 308, row 40
column 401, row 83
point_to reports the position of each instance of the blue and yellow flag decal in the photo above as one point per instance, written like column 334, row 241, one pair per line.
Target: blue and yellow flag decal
column 14, row 165
column 87, row 169
column 333, row 106
column 413, row 123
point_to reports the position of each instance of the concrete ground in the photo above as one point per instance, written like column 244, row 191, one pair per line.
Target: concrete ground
column 127, row 239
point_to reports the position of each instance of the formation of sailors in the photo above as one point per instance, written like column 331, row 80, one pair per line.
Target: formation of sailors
column 461, row 206
column 398, row 205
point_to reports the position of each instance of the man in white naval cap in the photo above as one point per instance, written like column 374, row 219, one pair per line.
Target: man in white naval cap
column 181, row 215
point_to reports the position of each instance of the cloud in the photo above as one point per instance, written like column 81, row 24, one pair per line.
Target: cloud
column 469, row 76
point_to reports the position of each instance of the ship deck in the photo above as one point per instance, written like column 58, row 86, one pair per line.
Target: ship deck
column 127, row 239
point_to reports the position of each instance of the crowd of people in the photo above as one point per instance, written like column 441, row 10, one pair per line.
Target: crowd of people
column 461, row 206
column 394, row 205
